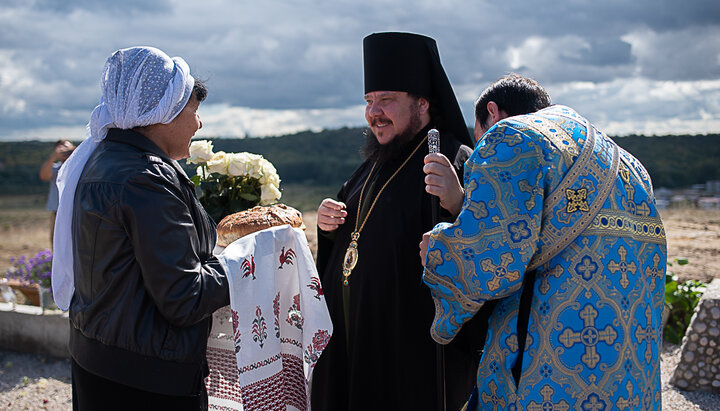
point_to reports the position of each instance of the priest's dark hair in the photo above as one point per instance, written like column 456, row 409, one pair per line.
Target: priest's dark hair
column 513, row 94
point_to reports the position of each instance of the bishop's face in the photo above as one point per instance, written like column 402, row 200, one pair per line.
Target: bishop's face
column 390, row 113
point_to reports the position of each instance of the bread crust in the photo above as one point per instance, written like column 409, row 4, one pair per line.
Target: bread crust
column 242, row 223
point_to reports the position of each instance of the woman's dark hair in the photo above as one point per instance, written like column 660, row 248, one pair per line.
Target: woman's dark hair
column 200, row 90
column 514, row 94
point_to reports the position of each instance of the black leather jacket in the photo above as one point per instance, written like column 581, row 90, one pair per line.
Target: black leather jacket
column 146, row 282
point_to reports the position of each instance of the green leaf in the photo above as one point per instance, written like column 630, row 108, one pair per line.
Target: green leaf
column 682, row 300
column 249, row 197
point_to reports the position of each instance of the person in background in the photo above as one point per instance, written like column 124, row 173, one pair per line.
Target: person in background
column 558, row 229
column 380, row 355
column 133, row 246
column 48, row 173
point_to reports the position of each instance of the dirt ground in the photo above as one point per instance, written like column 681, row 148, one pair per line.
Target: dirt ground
column 694, row 234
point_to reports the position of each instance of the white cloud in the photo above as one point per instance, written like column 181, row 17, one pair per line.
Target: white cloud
column 273, row 64
column 221, row 120
column 644, row 106
column 685, row 54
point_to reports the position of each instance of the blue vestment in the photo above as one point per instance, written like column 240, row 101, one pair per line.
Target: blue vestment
column 549, row 197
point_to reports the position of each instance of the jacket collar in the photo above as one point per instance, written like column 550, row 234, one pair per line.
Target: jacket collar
column 144, row 144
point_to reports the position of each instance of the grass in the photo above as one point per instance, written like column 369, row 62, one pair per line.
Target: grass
column 25, row 224
column 306, row 198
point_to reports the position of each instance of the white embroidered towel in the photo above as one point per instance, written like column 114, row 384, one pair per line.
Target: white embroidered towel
column 281, row 323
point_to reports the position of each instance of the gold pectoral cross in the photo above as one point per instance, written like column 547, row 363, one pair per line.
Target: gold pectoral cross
column 351, row 257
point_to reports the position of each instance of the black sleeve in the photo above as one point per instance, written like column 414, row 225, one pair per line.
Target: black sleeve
column 326, row 240
column 461, row 156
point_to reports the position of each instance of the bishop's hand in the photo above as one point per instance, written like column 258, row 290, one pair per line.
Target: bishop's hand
column 442, row 181
column 331, row 214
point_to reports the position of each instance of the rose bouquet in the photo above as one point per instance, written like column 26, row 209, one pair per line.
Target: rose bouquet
column 232, row 182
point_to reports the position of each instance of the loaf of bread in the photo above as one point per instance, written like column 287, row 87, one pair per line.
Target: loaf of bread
column 242, row 223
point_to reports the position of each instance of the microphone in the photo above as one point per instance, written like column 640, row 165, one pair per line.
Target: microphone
column 433, row 140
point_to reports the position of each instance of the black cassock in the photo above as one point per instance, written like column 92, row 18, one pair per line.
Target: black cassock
column 386, row 358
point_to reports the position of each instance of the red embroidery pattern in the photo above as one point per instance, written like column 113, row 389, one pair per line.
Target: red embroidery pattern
column 223, row 381
column 248, row 267
column 286, row 388
column 319, row 342
column 236, row 331
column 290, row 341
column 259, row 364
column 276, row 311
column 259, row 327
column 294, row 314
column 315, row 286
column 286, row 257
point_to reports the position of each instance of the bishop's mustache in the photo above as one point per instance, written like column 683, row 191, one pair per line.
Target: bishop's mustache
column 374, row 121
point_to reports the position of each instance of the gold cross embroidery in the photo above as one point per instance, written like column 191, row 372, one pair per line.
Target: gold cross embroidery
column 478, row 208
column 557, row 271
column 647, row 334
column 498, row 403
column 588, row 267
column 630, row 401
column 593, row 403
column 533, row 190
column 499, row 271
column 547, row 404
column 577, row 200
column 654, row 272
column 588, row 336
column 434, row 258
column 623, row 267
column 490, row 141
column 642, row 209
column 624, row 173
column 512, row 342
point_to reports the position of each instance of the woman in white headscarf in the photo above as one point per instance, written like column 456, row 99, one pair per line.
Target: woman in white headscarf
column 133, row 247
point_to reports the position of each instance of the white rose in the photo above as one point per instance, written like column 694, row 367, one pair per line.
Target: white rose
column 201, row 172
column 270, row 178
column 200, row 151
column 255, row 166
column 218, row 163
column 269, row 193
column 238, row 164
column 269, row 174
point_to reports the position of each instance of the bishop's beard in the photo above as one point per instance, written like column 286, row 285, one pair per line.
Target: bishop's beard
column 373, row 150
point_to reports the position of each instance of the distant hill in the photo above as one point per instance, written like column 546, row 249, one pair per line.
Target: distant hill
column 327, row 158
column 676, row 161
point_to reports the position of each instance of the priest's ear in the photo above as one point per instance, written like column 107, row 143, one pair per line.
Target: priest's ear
column 423, row 105
column 495, row 114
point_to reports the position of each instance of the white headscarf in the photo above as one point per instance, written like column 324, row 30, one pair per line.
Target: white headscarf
column 140, row 86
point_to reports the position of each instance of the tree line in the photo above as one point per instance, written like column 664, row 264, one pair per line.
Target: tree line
column 328, row 157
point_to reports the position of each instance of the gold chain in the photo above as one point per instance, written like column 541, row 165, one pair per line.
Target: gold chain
column 351, row 255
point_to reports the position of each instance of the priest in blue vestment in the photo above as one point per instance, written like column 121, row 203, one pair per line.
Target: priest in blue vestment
column 559, row 231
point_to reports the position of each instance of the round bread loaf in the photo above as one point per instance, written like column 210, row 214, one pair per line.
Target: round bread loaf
column 242, row 223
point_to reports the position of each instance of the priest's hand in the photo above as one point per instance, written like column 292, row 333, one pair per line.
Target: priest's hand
column 442, row 181
column 424, row 247
column 331, row 214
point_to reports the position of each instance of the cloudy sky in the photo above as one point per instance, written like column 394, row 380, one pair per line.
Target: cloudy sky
column 275, row 67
